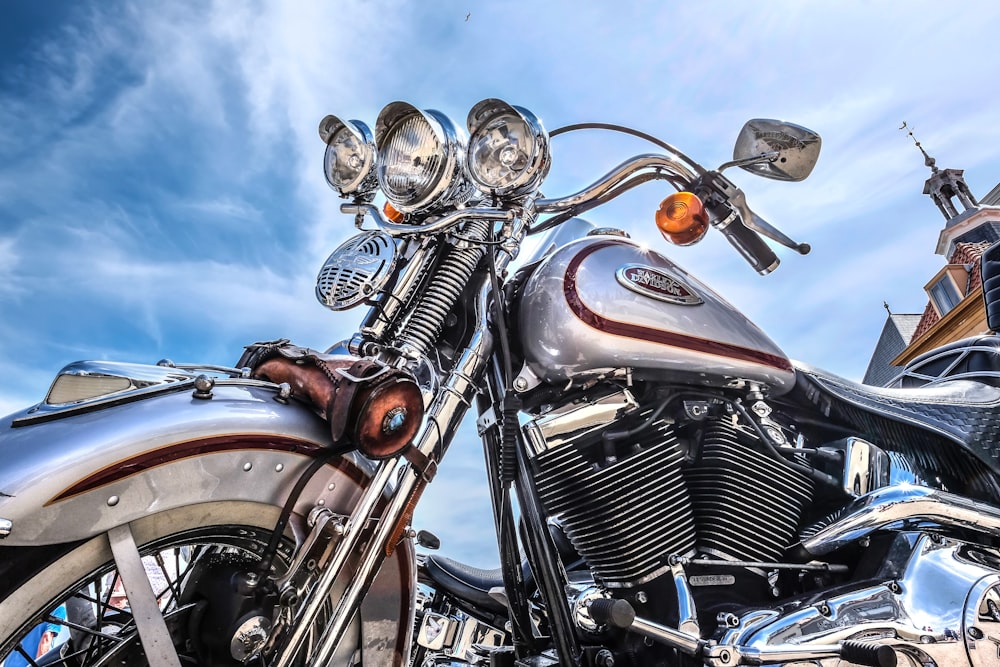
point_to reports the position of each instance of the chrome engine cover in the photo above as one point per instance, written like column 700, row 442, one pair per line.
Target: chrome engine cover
column 604, row 303
column 937, row 602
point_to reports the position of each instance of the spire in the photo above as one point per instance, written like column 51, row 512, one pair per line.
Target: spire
column 944, row 185
column 928, row 160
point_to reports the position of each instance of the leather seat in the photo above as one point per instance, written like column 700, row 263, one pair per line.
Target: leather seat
column 466, row 582
column 949, row 430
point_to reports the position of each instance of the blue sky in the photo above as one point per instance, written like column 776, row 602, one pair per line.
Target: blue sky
column 161, row 191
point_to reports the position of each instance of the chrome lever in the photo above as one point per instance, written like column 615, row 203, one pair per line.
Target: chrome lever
column 762, row 226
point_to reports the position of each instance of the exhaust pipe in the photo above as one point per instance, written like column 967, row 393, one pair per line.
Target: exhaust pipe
column 904, row 507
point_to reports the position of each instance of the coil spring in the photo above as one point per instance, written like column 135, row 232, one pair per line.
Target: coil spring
column 508, row 439
column 446, row 285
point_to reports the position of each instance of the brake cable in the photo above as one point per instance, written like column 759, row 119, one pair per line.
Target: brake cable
column 271, row 551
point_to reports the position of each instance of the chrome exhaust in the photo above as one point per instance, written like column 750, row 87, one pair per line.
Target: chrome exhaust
column 905, row 507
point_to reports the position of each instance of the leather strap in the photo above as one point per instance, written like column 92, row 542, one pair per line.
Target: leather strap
column 423, row 465
column 346, row 388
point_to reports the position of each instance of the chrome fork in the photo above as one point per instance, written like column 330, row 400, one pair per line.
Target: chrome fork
column 382, row 533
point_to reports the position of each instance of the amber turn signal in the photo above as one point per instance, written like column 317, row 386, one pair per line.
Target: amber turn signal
column 391, row 213
column 682, row 219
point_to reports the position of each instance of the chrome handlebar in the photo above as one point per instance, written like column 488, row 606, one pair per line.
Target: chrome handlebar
column 661, row 166
column 446, row 221
column 726, row 204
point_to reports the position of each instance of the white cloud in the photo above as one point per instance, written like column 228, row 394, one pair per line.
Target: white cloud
column 226, row 209
column 9, row 260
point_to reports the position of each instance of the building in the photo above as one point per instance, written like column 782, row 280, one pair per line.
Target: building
column 896, row 335
column 955, row 308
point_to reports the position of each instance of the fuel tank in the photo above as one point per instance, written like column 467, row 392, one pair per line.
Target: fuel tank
column 601, row 304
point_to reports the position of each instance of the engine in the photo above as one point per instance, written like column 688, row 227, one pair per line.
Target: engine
column 631, row 500
column 747, row 504
column 638, row 490
column 622, row 515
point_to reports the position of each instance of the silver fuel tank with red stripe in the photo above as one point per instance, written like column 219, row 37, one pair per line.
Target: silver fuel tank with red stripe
column 604, row 304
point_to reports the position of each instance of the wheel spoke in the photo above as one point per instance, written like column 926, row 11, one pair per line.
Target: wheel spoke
column 173, row 583
column 185, row 571
column 142, row 600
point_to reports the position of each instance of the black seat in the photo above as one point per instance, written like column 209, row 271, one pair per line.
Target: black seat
column 949, row 430
column 465, row 582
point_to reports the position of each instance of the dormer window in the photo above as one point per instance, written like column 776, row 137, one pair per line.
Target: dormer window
column 947, row 289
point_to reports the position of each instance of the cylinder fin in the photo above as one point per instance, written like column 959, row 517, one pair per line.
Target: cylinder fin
column 747, row 505
column 624, row 518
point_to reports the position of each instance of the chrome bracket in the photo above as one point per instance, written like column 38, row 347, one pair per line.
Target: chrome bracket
column 526, row 380
column 379, row 373
column 486, row 421
column 312, row 556
column 153, row 633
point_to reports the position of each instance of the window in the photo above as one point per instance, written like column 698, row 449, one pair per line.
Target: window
column 944, row 294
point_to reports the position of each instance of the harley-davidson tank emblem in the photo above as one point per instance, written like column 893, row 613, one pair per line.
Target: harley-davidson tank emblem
column 656, row 284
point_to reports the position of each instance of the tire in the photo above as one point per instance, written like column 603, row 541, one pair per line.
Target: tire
column 190, row 554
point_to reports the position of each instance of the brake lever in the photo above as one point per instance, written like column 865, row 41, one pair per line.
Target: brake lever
column 762, row 226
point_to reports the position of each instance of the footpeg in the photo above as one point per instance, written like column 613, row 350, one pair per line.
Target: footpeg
column 858, row 653
column 620, row 614
column 615, row 613
column 869, row 655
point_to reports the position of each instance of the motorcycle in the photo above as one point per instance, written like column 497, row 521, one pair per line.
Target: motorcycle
column 667, row 486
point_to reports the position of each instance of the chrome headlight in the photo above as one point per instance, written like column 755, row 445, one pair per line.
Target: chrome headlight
column 349, row 163
column 421, row 158
column 508, row 148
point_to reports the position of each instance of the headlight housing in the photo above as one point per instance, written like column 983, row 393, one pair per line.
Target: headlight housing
column 508, row 151
column 421, row 158
column 349, row 162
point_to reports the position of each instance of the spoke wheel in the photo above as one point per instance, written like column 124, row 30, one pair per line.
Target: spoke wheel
column 195, row 559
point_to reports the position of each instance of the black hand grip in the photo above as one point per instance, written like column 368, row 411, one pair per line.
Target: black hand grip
column 991, row 286
column 751, row 246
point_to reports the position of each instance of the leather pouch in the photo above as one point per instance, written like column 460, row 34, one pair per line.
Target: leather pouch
column 376, row 408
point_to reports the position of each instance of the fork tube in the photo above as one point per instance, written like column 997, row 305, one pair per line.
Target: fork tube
column 444, row 416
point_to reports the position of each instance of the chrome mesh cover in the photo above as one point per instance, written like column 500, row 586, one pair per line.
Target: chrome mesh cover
column 356, row 271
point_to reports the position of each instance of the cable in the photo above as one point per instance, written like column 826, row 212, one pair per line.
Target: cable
column 267, row 558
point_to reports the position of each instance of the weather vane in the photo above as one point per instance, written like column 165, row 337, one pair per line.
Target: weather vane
column 928, row 160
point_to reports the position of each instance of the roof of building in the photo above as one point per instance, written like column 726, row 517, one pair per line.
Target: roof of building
column 992, row 198
column 896, row 335
column 965, row 253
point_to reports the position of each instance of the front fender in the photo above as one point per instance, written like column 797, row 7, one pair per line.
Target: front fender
column 77, row 476
column 74, row 477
